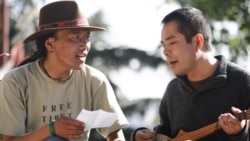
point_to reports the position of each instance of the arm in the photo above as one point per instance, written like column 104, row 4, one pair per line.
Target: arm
column 38, row 135
column 64, row 127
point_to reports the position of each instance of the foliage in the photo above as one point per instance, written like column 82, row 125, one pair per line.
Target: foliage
column 117, row 57
column 226, row 11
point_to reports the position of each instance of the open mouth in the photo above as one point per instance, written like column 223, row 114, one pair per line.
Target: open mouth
column 81, row 55
column 172, row 63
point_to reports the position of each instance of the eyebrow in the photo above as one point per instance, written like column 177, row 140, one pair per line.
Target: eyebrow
column 169, row 38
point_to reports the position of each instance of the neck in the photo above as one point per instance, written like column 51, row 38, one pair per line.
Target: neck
column 204, row 69
column 55, row 73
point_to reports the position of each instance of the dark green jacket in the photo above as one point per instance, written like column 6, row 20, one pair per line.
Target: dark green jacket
column 184, row 108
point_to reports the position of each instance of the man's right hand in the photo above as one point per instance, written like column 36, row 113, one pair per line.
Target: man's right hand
column 69, row 128
column 145, row 135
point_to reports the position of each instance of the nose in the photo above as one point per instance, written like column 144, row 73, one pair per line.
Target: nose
column 85, row 45
column 166, row 51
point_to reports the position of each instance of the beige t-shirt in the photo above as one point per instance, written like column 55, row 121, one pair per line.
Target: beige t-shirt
column 29, row 99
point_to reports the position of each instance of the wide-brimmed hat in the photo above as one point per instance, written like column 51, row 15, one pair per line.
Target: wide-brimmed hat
column 61, row 15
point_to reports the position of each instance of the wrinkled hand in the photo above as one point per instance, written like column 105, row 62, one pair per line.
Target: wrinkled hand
column 69, row 128
column 145, row 135
column 230, row 124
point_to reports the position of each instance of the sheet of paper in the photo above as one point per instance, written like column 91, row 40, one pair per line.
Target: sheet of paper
column 96, row 119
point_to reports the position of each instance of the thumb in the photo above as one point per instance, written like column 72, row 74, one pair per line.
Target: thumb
column 236, row 110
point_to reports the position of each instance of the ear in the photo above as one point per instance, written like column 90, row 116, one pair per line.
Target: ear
column 198, row 41
column 49, row 44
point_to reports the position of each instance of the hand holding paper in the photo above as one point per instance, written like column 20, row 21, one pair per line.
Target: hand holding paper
column 96, row 119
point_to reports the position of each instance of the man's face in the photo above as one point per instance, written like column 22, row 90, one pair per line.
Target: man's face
column 180, row 55
column 70, row 47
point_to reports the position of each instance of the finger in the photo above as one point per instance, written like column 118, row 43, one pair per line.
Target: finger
column 147, row 131
column 146, row 134
column 73, row 124
column 228, row 123
column 74, row 134
column 232, row 120
column 74, row 127
column 74, row 131
column 73, row 137
column 236, row 110
column 224, row 119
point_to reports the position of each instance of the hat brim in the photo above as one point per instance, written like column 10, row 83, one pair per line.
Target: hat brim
column 46, row 31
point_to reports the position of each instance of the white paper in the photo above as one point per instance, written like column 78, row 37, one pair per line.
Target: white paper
column 96, row 119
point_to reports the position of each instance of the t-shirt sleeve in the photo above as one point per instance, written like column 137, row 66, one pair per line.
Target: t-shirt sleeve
column 12, row 107
column 105, row 99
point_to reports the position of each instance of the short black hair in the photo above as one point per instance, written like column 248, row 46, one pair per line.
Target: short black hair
column 190, row 22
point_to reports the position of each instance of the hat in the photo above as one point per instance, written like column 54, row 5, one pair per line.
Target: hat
column 61, row 15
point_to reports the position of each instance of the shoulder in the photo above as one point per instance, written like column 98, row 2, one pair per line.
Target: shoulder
column 93, row 72
column 232, row 70
column 235, row 68
column 17, row 78
column 174, row 83
column 237, row 72
column 92, row 75
column 20, row 72
column 173, row 86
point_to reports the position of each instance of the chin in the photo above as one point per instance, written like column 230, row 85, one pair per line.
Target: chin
column 178, row 73
column 78, row 67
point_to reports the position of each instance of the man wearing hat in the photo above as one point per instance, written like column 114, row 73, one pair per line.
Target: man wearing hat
column 41, row 99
